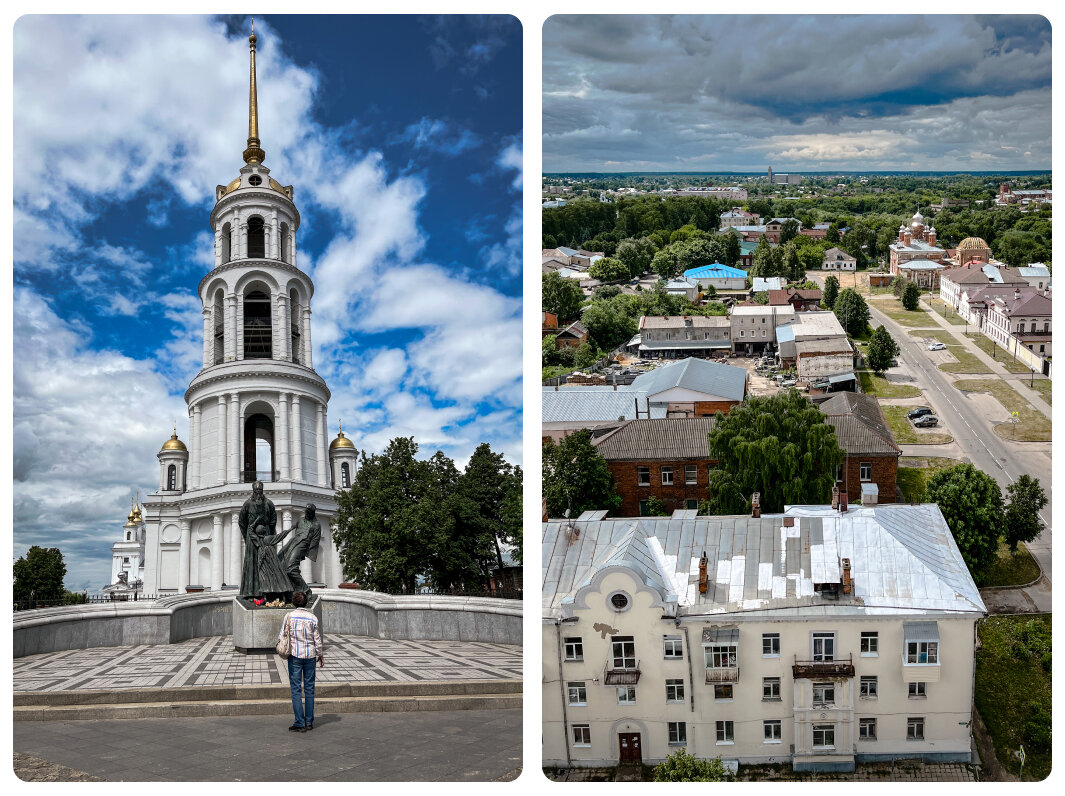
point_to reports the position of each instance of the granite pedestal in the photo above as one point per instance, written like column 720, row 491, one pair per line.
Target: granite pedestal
column 255, row 629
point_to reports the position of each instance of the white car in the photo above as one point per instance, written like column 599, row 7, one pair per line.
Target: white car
column 937, row 346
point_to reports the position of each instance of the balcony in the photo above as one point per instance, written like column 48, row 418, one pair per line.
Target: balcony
column 835, row 668
column 627, row 674
column 724, row 674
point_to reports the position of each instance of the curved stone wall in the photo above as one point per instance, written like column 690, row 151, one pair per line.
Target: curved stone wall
column 345, row 612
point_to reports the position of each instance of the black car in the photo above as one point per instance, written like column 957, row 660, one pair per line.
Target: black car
column 913, row 414
column 927, row 421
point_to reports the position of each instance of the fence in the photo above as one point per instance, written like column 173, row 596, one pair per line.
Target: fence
column 498, row 594
column 93, row 599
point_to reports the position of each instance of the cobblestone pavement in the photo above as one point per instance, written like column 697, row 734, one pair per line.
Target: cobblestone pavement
column 213, row 661
column 459, row 745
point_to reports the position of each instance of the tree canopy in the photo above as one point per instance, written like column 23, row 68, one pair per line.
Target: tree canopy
column 1026, row 500
column 911, row 296
column 636, row 253
column 561, row 296
column 576, row 477
column 39, row 574
column 682, row 766
column 852, row 311
column 779, row 446
column 608, row 269
column 971, row 502
column 828, row 298
column 882, row 350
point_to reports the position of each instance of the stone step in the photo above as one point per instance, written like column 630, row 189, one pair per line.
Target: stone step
column 265, row 707
column 221, row 693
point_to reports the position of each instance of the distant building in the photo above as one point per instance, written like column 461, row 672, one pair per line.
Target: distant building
column 718, row 276
column 572, row 336
column 737, row 217
column 734, row 193
column 681, row 336
column 835, row 259
column 760, row 284
column 1021, row 319
column 869, row 473
column 127, row 558
column 755, row 326
column 915, row 255
column 784, row 179
column 802, row 300
column 1023, row 198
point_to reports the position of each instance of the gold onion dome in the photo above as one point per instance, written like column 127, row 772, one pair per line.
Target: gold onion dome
column 341, row 441
column 174, row 444
column 972, row 243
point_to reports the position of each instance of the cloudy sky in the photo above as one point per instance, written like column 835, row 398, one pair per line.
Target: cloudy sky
column 809, row 93
column 402, row 138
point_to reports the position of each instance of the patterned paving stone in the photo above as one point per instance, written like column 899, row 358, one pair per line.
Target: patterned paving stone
column 213, row 661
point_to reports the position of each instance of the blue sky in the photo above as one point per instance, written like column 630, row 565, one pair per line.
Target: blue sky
column 402, row 139
column 799, row 93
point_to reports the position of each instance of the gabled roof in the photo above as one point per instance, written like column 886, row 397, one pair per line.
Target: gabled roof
column 594, row 404
column 715, row 271
column 780, row 297
column 663, row 439
column 860, row 424
column 576, row 329
column 698, row 375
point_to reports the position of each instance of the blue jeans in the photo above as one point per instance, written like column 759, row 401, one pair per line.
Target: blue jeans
column 301, row 670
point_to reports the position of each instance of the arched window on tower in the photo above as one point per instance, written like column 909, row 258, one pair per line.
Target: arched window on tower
column 258, row 342
column 258, row 449
column 227, row 242
column 219, row 327
column 345, row 476
column 171, row 478
column 284, row 242
column 294, row 322
column 256, row 237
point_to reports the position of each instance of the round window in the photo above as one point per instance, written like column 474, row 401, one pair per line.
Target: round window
column 255, row 179
column 619, row 601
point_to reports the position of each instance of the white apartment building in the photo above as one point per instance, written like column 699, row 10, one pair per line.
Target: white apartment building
column 816, row 637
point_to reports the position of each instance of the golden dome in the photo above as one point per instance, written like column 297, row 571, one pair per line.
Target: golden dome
column 972, row 243
column 174, row 444
column 341, row 441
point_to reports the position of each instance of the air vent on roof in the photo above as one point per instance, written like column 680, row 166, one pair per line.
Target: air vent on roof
column 704, row 580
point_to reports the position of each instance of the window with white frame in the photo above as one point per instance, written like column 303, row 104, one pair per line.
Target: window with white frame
column 823, row 646
column 772, row 731
column 723, row 691
column 678, row 733
column 865, row 471
column 667, row 476
column 824, row 736
column 770, row 689
column 691, row 474
column 824, row 694
column 578, row 693
column 721, row 656
column 626, row 695
column 582, row 735
column 674, row 647
column 916, row 690
column 643, row 476
column 675, row 690
column 870, row 642
column 770, row 645
column 915, row 728
column 725, row 732
column 867, row 687
column 922, row 652
column 574, row 648
column 624, row 652
column 866, row 729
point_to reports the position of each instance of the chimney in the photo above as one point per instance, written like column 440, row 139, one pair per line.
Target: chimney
column 1016, row 293
column 846, row 576
column 704, row 580
column 835, row 497
column 843, row 501
column 756, row 505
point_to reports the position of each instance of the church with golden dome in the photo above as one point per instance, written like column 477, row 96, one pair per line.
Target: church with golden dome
column 916, row 255
column 258, row 410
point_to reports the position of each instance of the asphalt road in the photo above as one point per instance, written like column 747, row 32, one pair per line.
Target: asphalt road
column 969, row 418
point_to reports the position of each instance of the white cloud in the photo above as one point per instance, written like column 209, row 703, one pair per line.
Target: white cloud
column 436, row 135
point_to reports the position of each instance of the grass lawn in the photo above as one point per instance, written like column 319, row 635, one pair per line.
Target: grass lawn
column 946, row 311
column 1013, row 690
column 1012, row 570
column 906, row 434
column 1044, row 387
column 967, row 361
column 1031, row 426
column 554, row 370
column 880, row 387
column 914, row 473
column 987, row 345
column 893, row 309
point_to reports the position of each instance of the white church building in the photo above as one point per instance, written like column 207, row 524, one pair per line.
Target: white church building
column 257, row 409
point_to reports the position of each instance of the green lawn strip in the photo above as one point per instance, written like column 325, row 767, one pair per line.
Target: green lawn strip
column 906, row 434
column 1012, row 570
column 987, row 345
column 1044, row 387
column 914, row 472
column 967, row 360
column 1031, row 426
column 894, row 310
column 880, row 387
column 1013, row 690
column 947, row 312
column 551, row 371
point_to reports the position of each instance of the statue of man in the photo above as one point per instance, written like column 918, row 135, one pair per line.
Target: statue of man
column 303, row 544
column 261, row 574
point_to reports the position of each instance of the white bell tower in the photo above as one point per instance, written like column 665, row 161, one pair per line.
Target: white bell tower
column 257, row 409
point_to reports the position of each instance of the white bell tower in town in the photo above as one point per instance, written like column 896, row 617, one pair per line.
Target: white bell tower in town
column 257, row 409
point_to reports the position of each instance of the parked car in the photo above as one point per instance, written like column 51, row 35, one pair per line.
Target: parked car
column 926, row 421
column 788, row 383
column 937, row 346
column 913, row 414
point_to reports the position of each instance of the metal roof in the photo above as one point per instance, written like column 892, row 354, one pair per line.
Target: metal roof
column 903, row 561
column 665, row 439
column 698, row 375
column 715, row 271
column 684, row 345
column 587, row 404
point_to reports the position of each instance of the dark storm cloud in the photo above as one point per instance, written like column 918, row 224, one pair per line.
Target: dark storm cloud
column 727, row 91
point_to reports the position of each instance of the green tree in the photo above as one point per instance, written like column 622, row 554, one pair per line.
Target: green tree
column 852, row 312
column 732, row 248
column 793, row 268
column 762, row 264
column 636, row 253
column 779, row 446
column 682, row 766
column 561, row 296
column 655, row 507
column 828, row 298
column 491, row 483
column 898, row 286
column 608, row 323
column 971, row 502
column 666, row 263
column 882, row 351
column 832, row 235
column 586, row 355
column 39, row 574
column 1026, row 500
column 576, row 477
column 548, row 351
column 608, row 269
column 788, row 230
column 911, row 296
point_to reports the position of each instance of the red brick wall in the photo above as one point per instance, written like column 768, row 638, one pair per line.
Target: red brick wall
column 710, row 408
column 885, row 474
column 673, row 497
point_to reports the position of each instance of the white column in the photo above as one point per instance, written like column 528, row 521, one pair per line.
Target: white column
column 242, row 238
column 292, row 247
column 240, row 328
column 231, row 327
column 216, row 553
column 234, row 438
column 208, row 338
column 218, row 245
column 162, row 477
column 305, row 333
column 273, row 246
column 282, row 437
column 183, row 556
column 284, row 327
column 286, row 523
column 194, row 448
column 223, row 440
column 297, row 440
column 236, row 555
column 323, row 469
column 275, row 327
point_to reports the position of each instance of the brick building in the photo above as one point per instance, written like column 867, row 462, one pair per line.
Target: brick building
column 872, row 457
column 802, row 300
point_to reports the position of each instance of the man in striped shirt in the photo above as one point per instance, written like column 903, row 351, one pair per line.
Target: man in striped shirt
column 305, row 649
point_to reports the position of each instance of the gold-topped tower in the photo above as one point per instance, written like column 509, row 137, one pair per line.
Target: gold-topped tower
column 254, row 153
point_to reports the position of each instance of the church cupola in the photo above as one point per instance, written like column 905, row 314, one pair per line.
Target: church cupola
column 342, row 460
column 173, row 460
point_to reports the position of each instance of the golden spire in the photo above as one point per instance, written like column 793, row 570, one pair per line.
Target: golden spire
column 254, row 153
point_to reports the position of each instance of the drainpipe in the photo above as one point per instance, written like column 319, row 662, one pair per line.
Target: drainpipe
column 562, row 693
column 691, row 679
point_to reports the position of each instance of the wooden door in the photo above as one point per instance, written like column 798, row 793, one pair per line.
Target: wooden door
column 629, row 743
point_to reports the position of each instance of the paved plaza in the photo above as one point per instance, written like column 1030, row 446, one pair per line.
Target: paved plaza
column 213, row 661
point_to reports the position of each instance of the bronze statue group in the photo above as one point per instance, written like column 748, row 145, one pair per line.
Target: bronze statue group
column 268, row 574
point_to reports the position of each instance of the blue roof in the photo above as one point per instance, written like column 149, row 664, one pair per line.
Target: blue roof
column 715, row 271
